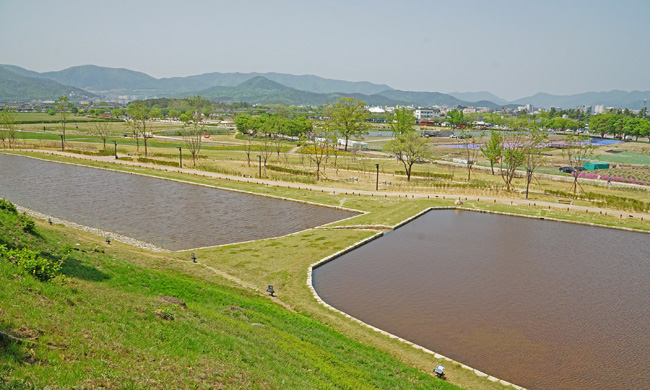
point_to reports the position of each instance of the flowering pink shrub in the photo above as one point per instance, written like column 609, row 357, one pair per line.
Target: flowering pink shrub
column 613, row 178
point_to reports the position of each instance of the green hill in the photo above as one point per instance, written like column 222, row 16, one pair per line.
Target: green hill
column 17, row 87
column 98, row 78
column 260, row 90
column 117, row 318
column 118, row 81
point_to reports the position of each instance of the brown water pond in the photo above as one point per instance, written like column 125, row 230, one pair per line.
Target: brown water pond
column 169, row 214
column 545, row 305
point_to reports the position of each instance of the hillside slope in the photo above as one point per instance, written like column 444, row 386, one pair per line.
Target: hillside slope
column 17, row 87
column 117, row 323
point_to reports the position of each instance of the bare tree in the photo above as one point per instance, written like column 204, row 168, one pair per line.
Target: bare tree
column 249, row 148
column 578, row 149
column 100, row 129
column 193, row 131
column 320, row 152
column 135, row 130
column 64, row 110
column 266, row 149
column 471, row 151
column 533, row 153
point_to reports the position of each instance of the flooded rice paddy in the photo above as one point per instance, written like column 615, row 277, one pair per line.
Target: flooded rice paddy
column 169, row 214
column 542, row 304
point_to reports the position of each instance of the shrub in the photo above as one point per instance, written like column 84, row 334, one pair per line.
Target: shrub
column 443, row 176
column 158, row 162
column 289, row 170
column 39, row 267
column 27, row 224
column 8, row 206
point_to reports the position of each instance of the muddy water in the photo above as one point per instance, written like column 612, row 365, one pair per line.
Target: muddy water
column 542, row 304
column 168, row 214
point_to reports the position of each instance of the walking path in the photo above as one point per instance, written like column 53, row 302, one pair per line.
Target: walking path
column 338, row 190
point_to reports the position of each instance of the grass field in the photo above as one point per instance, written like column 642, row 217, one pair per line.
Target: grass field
column 103, row 323
column 108, row 323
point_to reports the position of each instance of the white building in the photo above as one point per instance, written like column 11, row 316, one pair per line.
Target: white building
column 353, row 144
column 528, row 107
column 423, row 113
column 599, row 109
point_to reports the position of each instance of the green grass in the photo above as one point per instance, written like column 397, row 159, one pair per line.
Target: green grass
column 282, row 262
column 101, row 325
column 625, row 158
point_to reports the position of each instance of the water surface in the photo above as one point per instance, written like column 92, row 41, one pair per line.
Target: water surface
column 169, row 214
column 542, row 304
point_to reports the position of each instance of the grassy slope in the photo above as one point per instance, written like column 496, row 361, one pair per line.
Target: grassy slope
column 97, row 326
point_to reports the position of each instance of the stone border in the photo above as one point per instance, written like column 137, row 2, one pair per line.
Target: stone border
column 98, row 232
column 154, row 248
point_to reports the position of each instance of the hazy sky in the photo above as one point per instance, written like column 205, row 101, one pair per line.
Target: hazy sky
column 511, row 48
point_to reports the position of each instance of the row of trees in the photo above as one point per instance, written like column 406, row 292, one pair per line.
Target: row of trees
column 525, row 149
column 139, row 114
column 620, row 125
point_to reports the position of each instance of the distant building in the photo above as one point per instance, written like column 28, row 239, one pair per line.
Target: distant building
column 528, row 107
column 424, row 113
column 377, row 110
column 599, row 109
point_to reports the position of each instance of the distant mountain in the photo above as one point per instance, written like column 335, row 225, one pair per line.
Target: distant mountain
column 478, row 96
column 112, row 82
column 99, row 79
column 21, row 71
column 303, row 89
column 17, row 87
column 431, row 99
column 261, row 90
column 615, row 98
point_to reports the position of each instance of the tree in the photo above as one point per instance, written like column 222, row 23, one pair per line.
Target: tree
column 298, row 126
column 193, row 130
column 322, row 145
column 401, row 121
column 101, row 130
column 409, row 148
column 471, row 151
column 275, row 126
column 139, row 113
column 599, row 124
column 174, row 113
column 493, row 149
column 8, row 127
column 562, row 124
column 513, row 156
column 348, row 118
column 533, row 153
column 63, row 110
column 578, row 150
column 456, row 118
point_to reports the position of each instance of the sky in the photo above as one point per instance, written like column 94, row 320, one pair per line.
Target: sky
column 512, row 48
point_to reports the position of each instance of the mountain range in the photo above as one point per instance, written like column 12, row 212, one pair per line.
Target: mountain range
column 87, row 81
